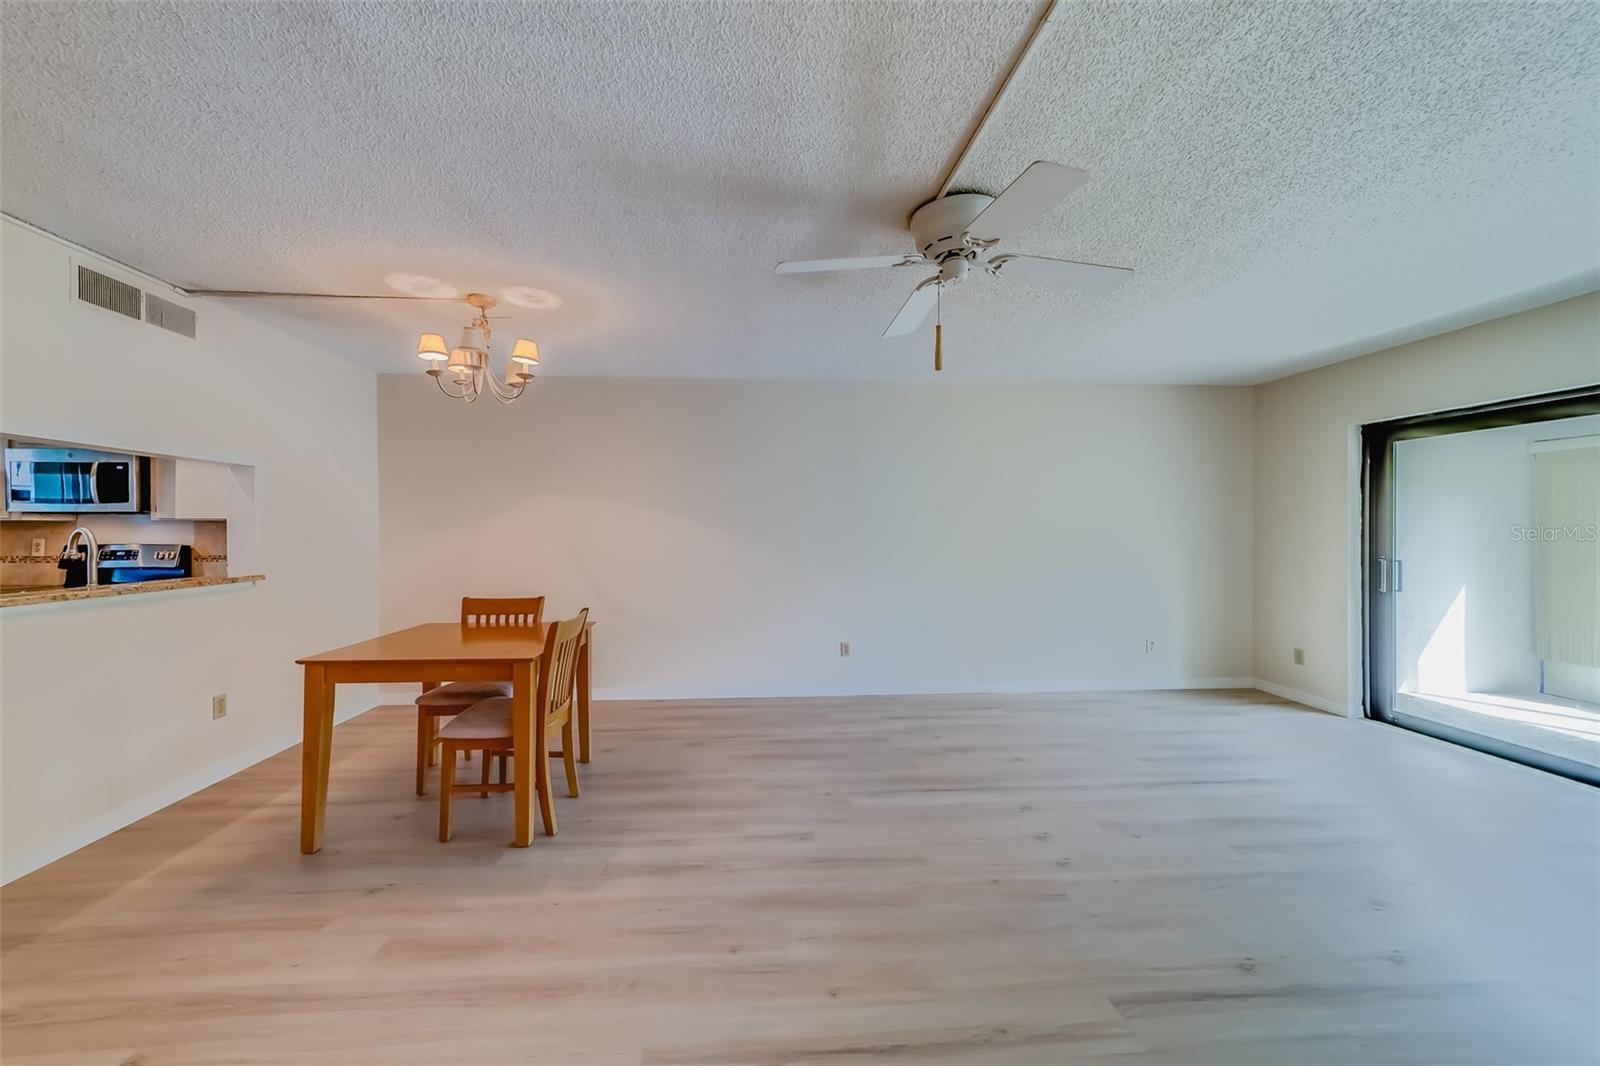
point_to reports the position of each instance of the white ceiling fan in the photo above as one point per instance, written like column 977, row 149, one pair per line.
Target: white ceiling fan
column 956, row 232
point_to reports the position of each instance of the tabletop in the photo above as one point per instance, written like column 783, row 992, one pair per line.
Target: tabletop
column 443, row 642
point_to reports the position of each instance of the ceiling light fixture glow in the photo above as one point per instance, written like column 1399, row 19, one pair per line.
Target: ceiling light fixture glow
column 534, row 299
column 421, row 285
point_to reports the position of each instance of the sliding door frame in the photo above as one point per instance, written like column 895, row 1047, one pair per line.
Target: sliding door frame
column 1382, row 575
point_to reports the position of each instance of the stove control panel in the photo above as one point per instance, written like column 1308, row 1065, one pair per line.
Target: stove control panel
column 145, row 555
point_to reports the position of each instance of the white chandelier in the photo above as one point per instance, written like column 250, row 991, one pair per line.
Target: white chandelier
column 466, row 366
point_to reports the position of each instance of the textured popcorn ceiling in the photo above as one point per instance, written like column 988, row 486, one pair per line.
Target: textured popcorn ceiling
column 1292, row 182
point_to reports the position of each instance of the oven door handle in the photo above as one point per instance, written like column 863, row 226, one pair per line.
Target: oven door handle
column 94, row 482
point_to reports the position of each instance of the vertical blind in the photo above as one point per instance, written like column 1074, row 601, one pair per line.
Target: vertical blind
column 1566, row 566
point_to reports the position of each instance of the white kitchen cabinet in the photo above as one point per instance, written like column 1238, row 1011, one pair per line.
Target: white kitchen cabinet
column 190, row 489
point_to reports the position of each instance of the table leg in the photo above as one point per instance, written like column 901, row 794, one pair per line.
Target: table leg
column 583, row 696
column 316, row 744
column 523, row 755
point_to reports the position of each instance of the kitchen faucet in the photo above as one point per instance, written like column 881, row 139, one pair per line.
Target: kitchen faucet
column 92, row 556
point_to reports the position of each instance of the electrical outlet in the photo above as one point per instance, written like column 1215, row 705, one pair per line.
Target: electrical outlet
column 38, row 547
column 1299, row 656
column 219, row 706
column 1149, row 645
column 844, row 649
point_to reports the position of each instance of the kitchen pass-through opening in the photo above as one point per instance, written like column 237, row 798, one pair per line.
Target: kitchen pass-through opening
column 149, row 518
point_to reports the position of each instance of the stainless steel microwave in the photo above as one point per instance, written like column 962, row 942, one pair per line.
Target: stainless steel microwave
column 76, row 480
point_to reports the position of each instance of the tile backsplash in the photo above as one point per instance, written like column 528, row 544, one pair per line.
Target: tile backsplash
column 20, row 566
column 18, row 563
column 210, row 549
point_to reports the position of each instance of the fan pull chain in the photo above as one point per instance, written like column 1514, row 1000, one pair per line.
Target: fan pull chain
column 938, row 327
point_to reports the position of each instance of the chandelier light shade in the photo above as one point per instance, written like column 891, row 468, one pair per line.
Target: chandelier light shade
column 525, row 352
column 464, row 373
column 472, row 340
column 431, row 346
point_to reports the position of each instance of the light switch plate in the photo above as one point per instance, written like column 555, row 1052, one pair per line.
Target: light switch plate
column 219, row 706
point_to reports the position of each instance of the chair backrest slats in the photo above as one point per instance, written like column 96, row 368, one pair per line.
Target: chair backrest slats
column 557, row 667
column 504, row 611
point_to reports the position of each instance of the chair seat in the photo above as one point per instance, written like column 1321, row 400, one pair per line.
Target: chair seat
column 488, row 719
column 463, row 693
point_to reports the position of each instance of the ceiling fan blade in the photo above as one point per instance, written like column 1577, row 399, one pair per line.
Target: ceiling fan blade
column 1035, row 191
column 1059, row 273
column 916, row 309
column 862, row 262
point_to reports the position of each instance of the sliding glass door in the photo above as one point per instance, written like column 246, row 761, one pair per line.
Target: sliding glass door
column 1482, row 579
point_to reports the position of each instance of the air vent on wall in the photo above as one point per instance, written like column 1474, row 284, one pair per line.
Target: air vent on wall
column 113, row 295
column 168, row 315
column 102, row 290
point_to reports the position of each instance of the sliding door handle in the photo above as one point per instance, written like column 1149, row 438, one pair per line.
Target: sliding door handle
column 1383, row 573
column 1397, row 578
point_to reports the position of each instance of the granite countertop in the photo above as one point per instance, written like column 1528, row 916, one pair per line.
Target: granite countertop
column 26, row 596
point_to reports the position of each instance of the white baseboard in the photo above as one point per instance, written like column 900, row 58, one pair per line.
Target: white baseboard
column 104, row 825
column 401, row 694
column 1296, row 696
column 781, row 691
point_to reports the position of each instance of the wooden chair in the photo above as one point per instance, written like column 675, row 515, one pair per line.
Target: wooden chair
column 444, row 701
column 486, row 727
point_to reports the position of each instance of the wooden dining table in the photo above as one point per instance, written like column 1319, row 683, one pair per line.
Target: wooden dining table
column 430, row 653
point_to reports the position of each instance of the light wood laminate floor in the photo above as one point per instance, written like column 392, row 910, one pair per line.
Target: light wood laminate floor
column 1167, row 877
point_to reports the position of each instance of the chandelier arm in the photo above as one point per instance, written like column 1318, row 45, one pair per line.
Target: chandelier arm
column 439, row 381
column 507, row 394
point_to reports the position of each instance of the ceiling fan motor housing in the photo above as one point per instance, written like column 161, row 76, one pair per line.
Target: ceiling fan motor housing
column 940, row 226
column 953, row 269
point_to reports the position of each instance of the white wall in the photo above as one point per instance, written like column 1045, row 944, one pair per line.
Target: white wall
column 729, row 535
column 105, row 706
column 1307, row 533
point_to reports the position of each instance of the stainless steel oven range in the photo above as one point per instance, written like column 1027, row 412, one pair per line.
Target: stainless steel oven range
column 122, row 564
